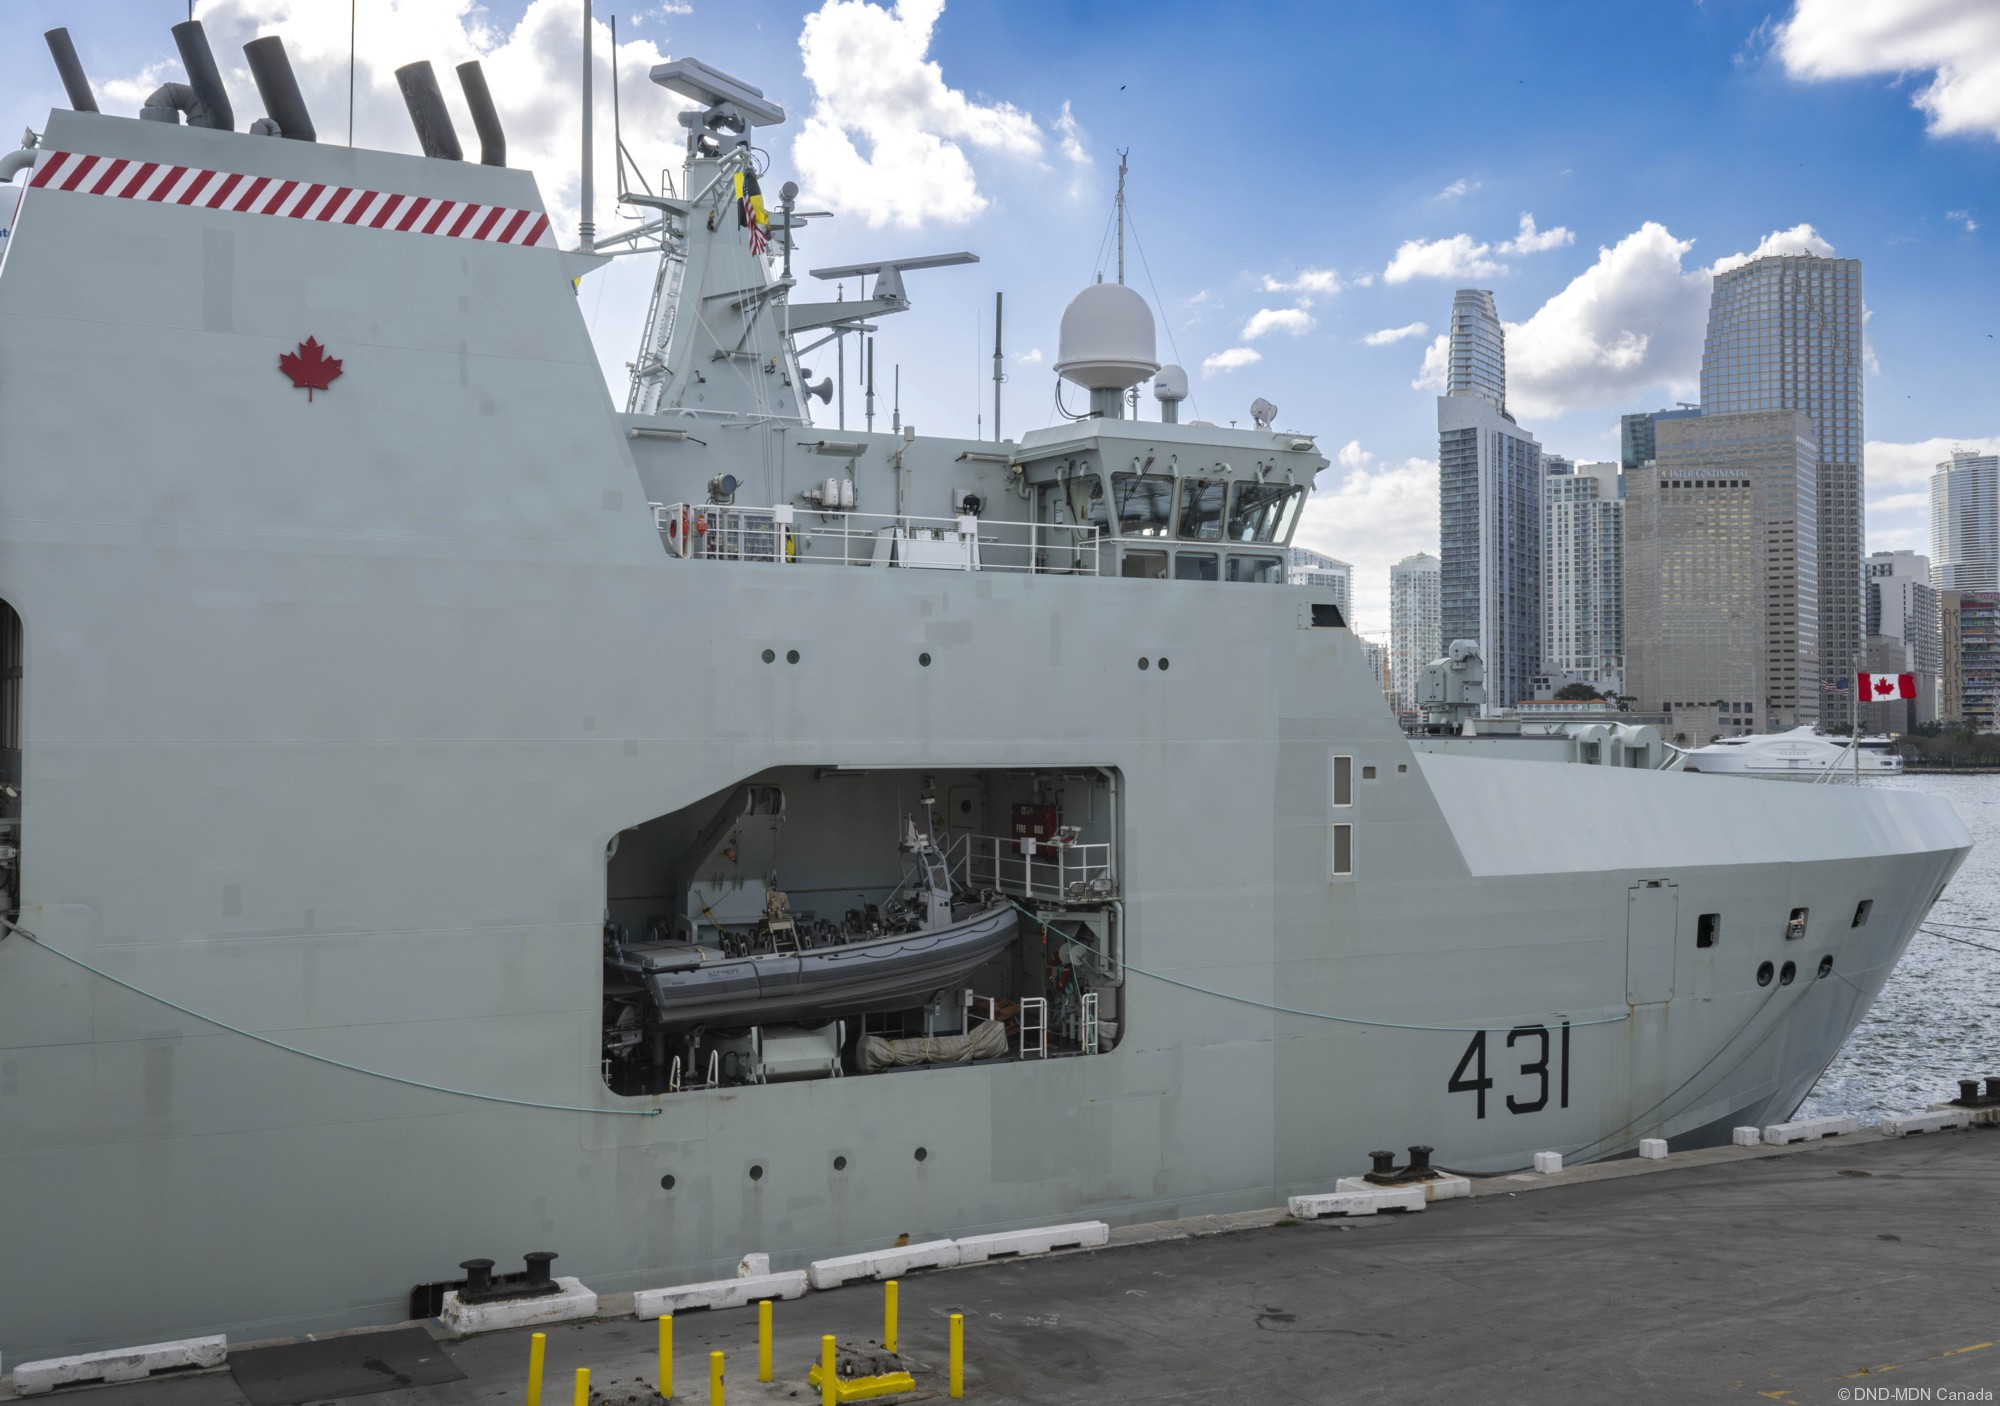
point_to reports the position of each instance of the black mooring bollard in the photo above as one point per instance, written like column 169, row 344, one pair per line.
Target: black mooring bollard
column 538, row 1265
column 1992, row 1087
column 478, row 1278
column 1968, row 1091
column 1420, row 1160
column 1385, row 1163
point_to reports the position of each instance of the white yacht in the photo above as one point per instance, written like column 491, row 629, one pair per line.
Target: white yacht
column 1801, row 754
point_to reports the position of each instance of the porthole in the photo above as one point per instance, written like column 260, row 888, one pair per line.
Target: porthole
column 791, row 656
column 1786, row 973
column 1145, row 663
column 924, row 661
column 667, row 1182
column 1764, row 974
column 770, row 656
column 1163, row 663
column 922, row 1154
column 757, row 1171
column 1826, row 966
column 840, row 1164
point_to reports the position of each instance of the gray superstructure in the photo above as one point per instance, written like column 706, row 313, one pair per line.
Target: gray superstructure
column 372, row 716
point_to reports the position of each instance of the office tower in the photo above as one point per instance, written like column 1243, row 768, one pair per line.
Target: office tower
column 1965, row 523
column 1951, row 648
column 1489, row 507
column 1555, row 466
column 1978, row 658
column 1375, row 655
column 1304, row 568
column 1635, row 433
column 1903, row 636
column 1722, row 573
column 1416, row 634
column 1784, row 333
column 1583, row 575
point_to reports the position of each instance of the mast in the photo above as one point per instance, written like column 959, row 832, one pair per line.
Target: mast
column 586, row 228
column 1121, row 214
column 998, row 365
column 870, row 345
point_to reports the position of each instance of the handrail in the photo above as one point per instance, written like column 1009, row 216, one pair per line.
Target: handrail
column 784, row 535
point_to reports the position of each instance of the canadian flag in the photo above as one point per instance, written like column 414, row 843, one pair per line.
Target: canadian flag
column 1881, row 687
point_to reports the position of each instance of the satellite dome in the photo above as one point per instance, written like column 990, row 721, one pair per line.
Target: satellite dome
column 1106, row 342
column 1170, row 384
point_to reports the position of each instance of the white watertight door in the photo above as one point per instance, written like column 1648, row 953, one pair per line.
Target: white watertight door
column 1652, row 911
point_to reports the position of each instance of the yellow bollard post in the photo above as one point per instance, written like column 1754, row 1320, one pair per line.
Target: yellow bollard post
column 889, row 1318
column 715, row 1379
column 829, row 1385
column 537, row 1347
column 763, row 1340
column 666, row 1354
column 581, row 1396
column 957, row 1356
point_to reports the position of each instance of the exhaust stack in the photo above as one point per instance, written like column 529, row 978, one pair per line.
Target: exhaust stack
column 425, row 100
column 485, row 119
column 279, row 88
column 211, row 100
column 71, row 69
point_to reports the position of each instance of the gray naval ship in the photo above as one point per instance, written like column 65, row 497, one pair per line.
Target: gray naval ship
column 448, row 816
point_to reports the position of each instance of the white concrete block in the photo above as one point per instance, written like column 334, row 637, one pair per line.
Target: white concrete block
column 1806, row 1129
column 1653, row 1147
column 1548, row 1162
column 1985, row 1117
column 719, row 1293
column 753, row 1264
column 882, row 1264
column 574, row 1301
column 975, row 1249
column 1443, row 1188
column 1935, row 1120
column 1745, row 1137
column 124, row 1364
column 1358, row 1203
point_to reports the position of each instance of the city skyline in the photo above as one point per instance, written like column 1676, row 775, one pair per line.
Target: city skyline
column 1599, row 238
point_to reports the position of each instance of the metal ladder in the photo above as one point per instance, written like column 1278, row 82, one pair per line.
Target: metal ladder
column 1034, row 1027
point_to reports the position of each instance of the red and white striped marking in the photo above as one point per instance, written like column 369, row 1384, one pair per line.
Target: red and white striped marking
column 125, row 179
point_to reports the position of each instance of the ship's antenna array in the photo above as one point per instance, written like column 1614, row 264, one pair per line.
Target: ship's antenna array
column 586, row 228
column 999, row 367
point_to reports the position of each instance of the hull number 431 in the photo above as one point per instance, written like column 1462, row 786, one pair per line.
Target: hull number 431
column 1532, row 1084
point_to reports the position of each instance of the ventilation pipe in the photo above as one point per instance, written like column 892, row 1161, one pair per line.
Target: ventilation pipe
column 71, row 69
column 15, row 162
column 425, row 100
column 485, row 119
column 279, row 88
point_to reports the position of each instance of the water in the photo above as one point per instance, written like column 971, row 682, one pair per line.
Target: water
column 1938, row 1019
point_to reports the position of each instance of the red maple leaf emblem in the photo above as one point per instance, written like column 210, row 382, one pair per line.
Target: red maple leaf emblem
column 310, row 368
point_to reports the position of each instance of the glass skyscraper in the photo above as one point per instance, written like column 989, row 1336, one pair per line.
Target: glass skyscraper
column 1965, row 523
column 1784, row 333
column 1489, row 507
column 1583, row 573
column 1416, row 636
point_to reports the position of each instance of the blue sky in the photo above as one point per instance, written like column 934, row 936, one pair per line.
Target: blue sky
column 1303, row 177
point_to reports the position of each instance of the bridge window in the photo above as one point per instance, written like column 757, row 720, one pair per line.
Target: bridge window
column 1086, row 500
column 1147, row 566
column 1196, row 566
column 1201, row 509
column 1145, row 504
column 1263, row 512
column 1262, row 570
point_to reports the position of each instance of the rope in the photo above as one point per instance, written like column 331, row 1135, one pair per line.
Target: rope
column 1290, row 1010
column 1963, row 941
column 320, row 1058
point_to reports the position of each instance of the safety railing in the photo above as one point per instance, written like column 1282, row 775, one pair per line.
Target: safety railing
column 788, row 536
column 1046, row 870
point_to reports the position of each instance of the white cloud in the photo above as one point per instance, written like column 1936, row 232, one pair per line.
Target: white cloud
column 1069, row 137
column 874, row 86
column 1367, row 280
column 1533, row 241
column 1899, row 478
column 1306, row 281
column 530, row 67
column 1396, row 334
column 1963, row 217
column 1459, row 187
column 1457, row 257
column 1799, row 239
column 1296, row 321
column 1957, row 42
column 1437, row 362
column 1031, row 357
column 1230, row 360
column 1377, row 514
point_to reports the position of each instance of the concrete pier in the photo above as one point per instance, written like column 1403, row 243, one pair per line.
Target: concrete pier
column 1794, row 1274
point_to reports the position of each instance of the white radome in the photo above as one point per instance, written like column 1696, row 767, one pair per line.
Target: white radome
column 1107, row 341
column 1170, row 384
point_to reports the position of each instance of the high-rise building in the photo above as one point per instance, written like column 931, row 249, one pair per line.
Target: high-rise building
column 1721, row 576
column 1416, row 631
column 1978, row 673
column 1375, row 654
column 1965, row 523
column 1489, row 507
column 1951, row 645
column 1635, row 433
column 1583, row 575
column 1784, row 333
column 1304, row 568
column 1903, row 631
